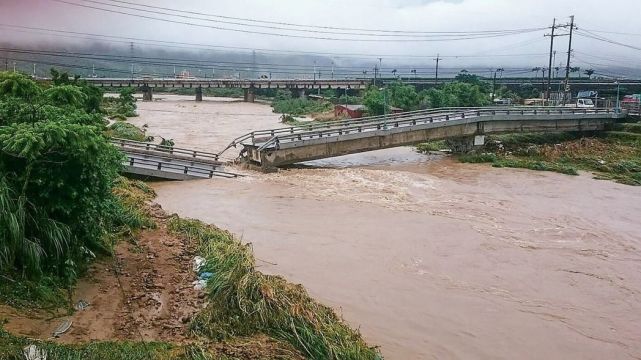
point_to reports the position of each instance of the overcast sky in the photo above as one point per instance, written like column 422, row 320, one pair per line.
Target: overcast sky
column 411, row 15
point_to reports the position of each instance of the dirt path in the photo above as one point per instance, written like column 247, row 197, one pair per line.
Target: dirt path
column 143, row 293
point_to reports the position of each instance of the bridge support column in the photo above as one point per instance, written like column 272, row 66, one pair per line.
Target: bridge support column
column 199, row 94
column 147, row 93
column 249, row 95
column 465, row 144
column 301, row 93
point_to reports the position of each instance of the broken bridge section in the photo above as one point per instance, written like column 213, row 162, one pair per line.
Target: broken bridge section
column 168, row 162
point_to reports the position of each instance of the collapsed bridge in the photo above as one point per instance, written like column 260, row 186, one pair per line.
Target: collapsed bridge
column 467, row 126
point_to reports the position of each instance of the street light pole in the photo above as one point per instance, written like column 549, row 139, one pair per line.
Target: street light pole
column 618, row 109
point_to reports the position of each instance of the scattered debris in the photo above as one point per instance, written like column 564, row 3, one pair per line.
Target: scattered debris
column 205, row 276
column 32, row 352
column 81, row 305
column 198, row 262
column 62, row 328
column 199, row 285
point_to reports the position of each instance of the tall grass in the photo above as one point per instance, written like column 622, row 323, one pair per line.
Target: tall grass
column 28, row 236
column 243, row 301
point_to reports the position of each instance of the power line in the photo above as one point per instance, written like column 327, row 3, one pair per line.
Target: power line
column 303, row 25
column 466, row 37
column 590, row 35
column 199, row 46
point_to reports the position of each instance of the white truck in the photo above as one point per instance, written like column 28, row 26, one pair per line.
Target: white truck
column 582, row 103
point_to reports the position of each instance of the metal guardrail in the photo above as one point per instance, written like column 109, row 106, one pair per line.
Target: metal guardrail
column 165, row 150
column 423, row 118
column 178, row 168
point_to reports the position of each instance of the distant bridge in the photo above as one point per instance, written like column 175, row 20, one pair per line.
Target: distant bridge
column 170, row 163
column 467, row 126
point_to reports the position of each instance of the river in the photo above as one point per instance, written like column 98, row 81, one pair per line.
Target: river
column 429, row 258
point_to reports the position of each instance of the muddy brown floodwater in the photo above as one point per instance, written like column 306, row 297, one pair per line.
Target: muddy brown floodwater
column 430, row 258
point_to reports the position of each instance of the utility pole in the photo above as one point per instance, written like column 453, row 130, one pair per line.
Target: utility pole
column 567, row 66
column 34, row 70
column 438, row 59
column 549, row 88
column 494, row 82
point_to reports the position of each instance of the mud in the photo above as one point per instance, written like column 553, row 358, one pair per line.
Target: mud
column 143, row 293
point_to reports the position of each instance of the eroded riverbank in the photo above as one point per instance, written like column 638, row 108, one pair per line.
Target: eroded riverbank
column 431, row 258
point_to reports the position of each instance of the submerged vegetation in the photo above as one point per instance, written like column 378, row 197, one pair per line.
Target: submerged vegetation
column 244, row 301
column 613, row 155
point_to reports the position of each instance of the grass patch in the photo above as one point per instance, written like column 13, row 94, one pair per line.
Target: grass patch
column 124, row 130
column 11, row 348
column 431, row 146
column 245, row 302
column 300, row 106
column 614, row 155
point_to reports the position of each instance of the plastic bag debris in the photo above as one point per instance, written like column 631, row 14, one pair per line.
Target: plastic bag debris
column 205, row 276
column 199, row 285
column 81, row 305
column 62, row 328
column 32, row 352
column 198, row 263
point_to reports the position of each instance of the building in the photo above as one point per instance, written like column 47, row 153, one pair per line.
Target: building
column 351, row 111
column 357, row 111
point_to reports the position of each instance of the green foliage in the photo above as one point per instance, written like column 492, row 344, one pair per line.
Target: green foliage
column 57, row 173
column 125, row 130
column 431, row 146
column 456, row 94
column 403, row 96
column 299, row 106
column 375, row 101
column 244, row 302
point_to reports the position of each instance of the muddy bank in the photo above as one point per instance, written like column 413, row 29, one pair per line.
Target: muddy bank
column 143, row 293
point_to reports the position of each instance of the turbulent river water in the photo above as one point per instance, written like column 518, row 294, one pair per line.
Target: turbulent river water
column 429, row 258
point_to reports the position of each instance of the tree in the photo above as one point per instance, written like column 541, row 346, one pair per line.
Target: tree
column 57, row 174
column 589, row 73
column 374, row 100
column 456, row 94
column 403, row 96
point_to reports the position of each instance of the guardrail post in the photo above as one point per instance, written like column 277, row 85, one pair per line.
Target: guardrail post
column 508, row 112
column 478, row 113
column 431, row 119
column 414, row 122
column 534, row 111
column 493, row 112
column 194, row 155
column 211, row 174
column 186, row 170
column 147, row 147
column 252, row 137
column 159, row 166
column 447, row 117
column 462, row 115
column 131, row 161
column 360, row 129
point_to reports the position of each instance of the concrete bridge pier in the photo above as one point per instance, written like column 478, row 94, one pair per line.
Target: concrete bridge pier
column 465, row 144
column 301, row 93
column 147, row 93
column 249, row 95
column 199, row 94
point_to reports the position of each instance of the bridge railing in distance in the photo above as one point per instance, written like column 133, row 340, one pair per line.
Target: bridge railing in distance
column 178, row 168
column 425, row 118
column 171, row 150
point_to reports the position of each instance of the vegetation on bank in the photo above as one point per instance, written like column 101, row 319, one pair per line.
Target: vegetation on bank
column 613, row 155
column 121, row 107
column 245, row 302
column 284, row 103
column 62, row 204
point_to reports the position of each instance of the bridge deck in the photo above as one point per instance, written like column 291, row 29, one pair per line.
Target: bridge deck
column 163, row 162
column 297, row 144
